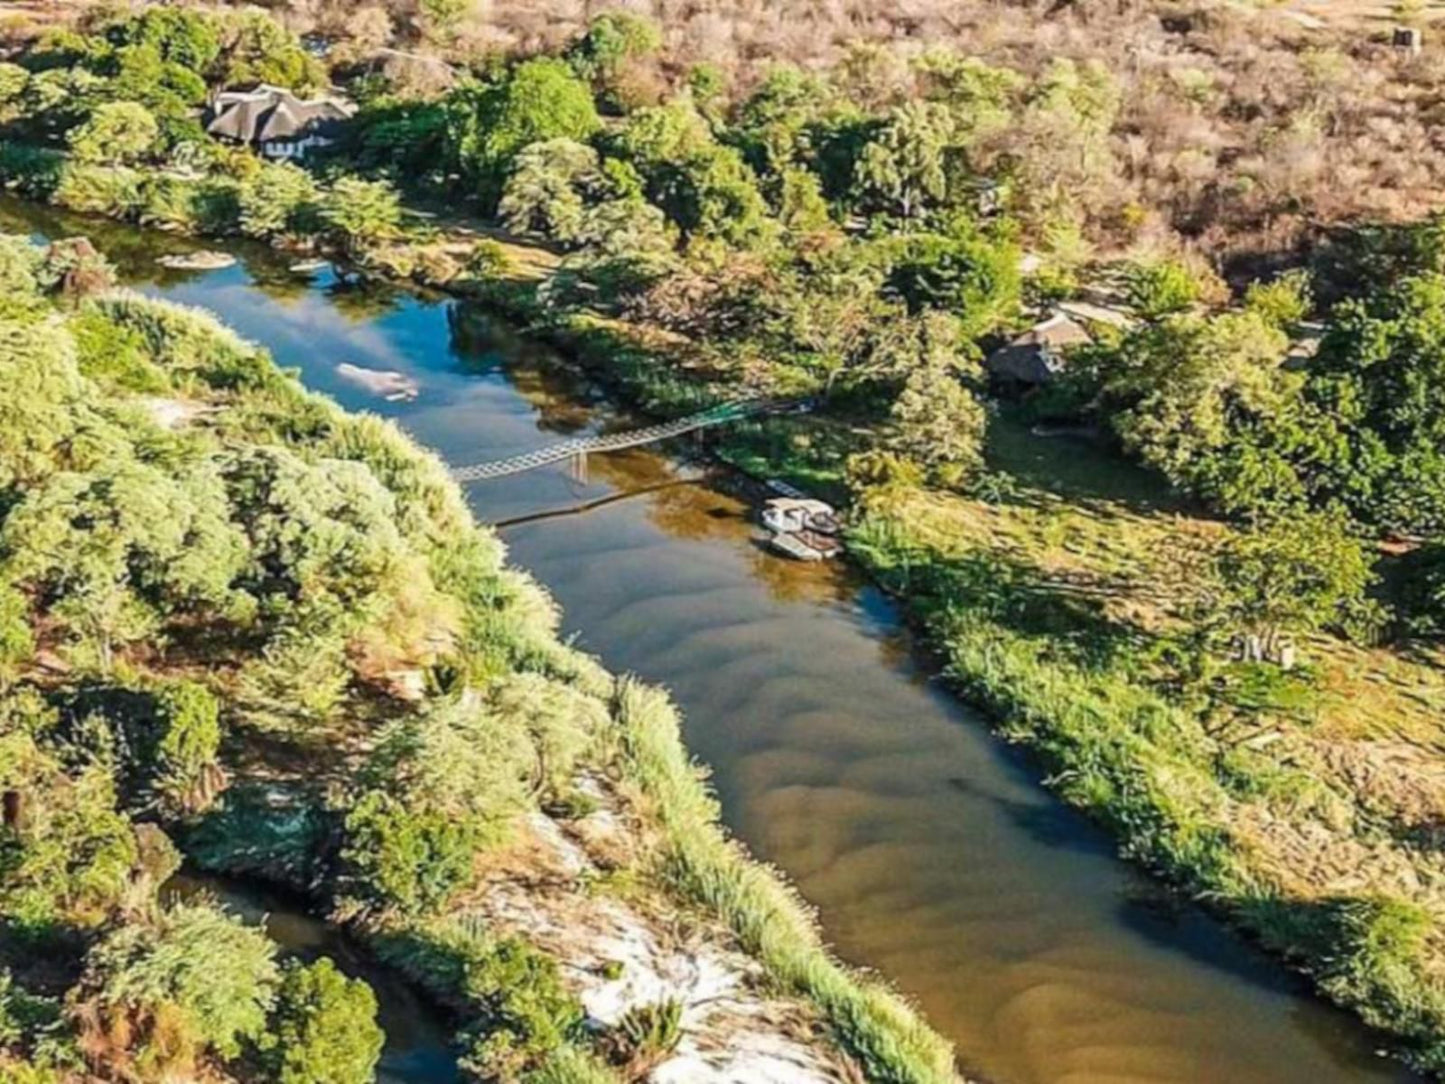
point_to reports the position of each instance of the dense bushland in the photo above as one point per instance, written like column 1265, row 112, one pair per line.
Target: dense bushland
column 858, row 236
column 1237, row 128
column 190, row 605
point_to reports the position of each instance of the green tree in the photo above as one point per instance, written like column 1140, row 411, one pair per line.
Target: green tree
column 17, row 641
column 69, row 853
column 189, row 738
column 141, row 73
column 936, row 421
column 1284, row 302
column 120, row 547
column 537, row 100
column 1295, row 575
column 13, row 81
column 550, row 187
column 704, row 187
column 182, row 36
column 117, row 133
column 280, row 199
column 1186, row 385
column 258, row 49
column 1376, row 392
column 613, row 39
column 409, row 859
column 361, row 212
column 441, row 18
column 981, row 99
column 904, row 168
column 39, row 418
column 1058, row 145
column 324, row 1028
column 195, row 980
column 1160, row 288
column 615, row 45
column 968, row 274
column 801, row 206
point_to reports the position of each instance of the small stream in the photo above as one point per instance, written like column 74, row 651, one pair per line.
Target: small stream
column 417, row 1047
column 932, row 852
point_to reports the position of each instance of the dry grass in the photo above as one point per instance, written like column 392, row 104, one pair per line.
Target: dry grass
column 1242, row 128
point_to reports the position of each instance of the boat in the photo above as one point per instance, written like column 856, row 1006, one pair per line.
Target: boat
column 308, row 267
column 803, row 528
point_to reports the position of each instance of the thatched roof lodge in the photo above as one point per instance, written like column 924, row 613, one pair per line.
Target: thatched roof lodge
column 275, row 121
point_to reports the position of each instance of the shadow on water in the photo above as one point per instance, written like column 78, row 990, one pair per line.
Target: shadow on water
column 931, row 851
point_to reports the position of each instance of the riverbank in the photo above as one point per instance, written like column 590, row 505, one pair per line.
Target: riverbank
column 1299, row 808
column 645, row 370
column 484, row 806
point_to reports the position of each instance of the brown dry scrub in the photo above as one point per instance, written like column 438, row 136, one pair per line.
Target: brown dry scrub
column 1240, row 130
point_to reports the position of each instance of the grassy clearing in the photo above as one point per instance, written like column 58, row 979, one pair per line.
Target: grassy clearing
column 1299, row 804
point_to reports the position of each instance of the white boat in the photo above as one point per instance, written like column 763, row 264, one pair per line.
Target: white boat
column 802, row 528
column 790, row 514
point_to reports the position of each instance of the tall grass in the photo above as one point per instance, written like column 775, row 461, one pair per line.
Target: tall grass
column 1144, row 767
column 871, row 1023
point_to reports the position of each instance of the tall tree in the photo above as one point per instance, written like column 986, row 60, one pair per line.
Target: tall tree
column 489, row 124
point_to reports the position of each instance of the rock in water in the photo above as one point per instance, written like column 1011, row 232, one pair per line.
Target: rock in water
column 388, row 383
column 197, row 261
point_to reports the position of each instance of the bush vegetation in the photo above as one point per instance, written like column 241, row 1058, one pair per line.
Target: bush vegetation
column 216, row 599
column 856, row 235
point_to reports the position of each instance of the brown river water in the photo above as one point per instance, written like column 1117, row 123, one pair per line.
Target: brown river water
column 932, row 852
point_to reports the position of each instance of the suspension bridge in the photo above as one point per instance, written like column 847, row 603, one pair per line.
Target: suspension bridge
column 579, row 448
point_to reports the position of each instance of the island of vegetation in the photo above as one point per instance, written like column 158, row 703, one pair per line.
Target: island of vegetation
column 1192, row 552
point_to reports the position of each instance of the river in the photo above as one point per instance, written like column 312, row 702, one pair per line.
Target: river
column 931, row 851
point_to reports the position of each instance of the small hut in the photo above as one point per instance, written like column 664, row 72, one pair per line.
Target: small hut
column 1407, row 40
column 1036, row 357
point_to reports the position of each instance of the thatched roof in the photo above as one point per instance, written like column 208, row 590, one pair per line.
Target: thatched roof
column 273, row 115
column 1035, row 357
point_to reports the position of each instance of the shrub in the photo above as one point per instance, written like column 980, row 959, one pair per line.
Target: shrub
column 324, row 1028
column 526, row 1012
column 489, row 260
column 196, row 980
column 645, row 1035
column 117, row 133
column 170, row 202
column 17, row 642
column 412, row 861
column 114, row 191
column 33, row 171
